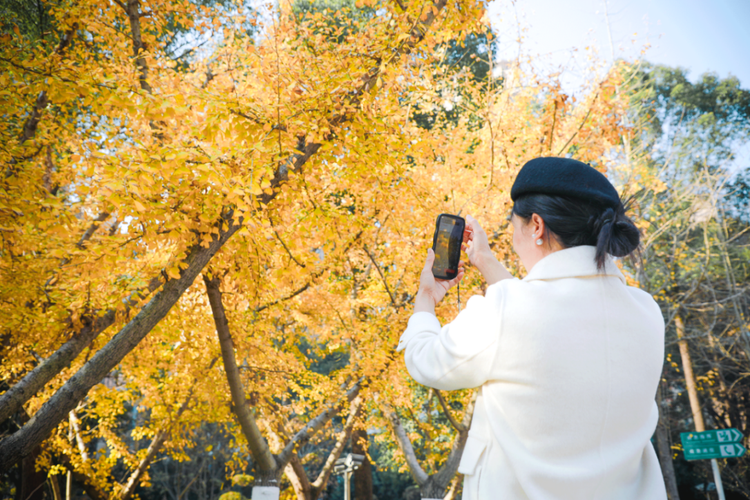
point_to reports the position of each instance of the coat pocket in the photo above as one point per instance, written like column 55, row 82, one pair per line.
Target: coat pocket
column 473, row 452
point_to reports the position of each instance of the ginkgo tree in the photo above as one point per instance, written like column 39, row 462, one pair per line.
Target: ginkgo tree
column 288, row 170
column 125, row 174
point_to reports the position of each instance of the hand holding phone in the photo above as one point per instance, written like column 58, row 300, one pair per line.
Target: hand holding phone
column 443, row 268
column 480, row 254
column 446, row 243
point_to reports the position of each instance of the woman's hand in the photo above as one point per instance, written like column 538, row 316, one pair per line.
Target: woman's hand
column 431, row 290
column 477, row 247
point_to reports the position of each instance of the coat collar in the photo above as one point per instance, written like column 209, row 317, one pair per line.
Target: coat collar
column 572, row 262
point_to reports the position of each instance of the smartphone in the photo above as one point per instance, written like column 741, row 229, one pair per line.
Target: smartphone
column 449, row 234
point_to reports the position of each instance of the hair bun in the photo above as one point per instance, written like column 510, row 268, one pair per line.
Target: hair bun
column 615, row 234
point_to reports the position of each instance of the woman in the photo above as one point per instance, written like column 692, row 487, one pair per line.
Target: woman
column 567, row 360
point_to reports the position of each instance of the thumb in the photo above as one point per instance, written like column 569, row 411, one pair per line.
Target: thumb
column 430, row 259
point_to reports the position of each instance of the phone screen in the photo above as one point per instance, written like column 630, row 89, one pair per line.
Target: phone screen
column 447, row 243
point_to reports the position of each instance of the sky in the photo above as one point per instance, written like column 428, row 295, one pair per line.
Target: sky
column 560, row 36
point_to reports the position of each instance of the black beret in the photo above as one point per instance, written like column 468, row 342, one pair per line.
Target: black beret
column 564, row 177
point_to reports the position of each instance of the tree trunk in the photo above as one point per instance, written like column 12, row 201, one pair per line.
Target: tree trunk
column 665, row 452
column 435, row 485
column 32, row 480
column 296, row 474
column 54, row 483
column 266, row 485
column 258, row 447
column 363, row 475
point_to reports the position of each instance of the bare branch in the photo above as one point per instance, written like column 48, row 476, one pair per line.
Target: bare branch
column 76, row 431
column 382, row 276
column 585, row 118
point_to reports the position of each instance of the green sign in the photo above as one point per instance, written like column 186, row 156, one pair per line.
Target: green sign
column 718, row 436
column 719, row 443
column 731, row 450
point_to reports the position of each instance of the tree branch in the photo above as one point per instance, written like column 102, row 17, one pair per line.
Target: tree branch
column 258, row 446
column 13, row 447
column 325, row 473
column 37, row 378
column 88, row 486
column 585, row 118
column 153, row 448
column 76, row 428
column 454, row 423
column 314, row 425
column 382, row 276
column 404, row 444
column 297, row 475
column 443, row 476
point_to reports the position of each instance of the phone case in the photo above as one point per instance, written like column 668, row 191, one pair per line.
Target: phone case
column 454, row 248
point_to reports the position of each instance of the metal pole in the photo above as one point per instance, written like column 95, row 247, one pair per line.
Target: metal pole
column 348, row 490
column 717, row 479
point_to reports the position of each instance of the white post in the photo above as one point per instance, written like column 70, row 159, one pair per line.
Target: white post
column 265, row 493
column 347, row 486
column 717, row 479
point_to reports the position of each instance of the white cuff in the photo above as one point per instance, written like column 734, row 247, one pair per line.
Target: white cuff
column 419, row 322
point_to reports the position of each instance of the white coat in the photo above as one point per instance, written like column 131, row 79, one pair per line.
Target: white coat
column 568, row 362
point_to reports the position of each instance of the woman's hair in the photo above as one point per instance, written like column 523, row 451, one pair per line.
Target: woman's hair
column 575, row 222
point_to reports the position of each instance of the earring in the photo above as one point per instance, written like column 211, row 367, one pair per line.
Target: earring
column 539, row 241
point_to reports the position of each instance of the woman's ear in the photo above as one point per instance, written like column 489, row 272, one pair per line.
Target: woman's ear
column 537, row 226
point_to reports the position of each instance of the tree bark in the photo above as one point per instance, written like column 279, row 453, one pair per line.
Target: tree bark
column 319, row 485
column 153, row 448
column 294, row 470
column 363, row 475
column 695, row 405
column 417, row 473
column 296, row 474
column 665, row 452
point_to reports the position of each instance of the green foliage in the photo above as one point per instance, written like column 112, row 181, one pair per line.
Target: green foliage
column 692, row 201
column 31, row 17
